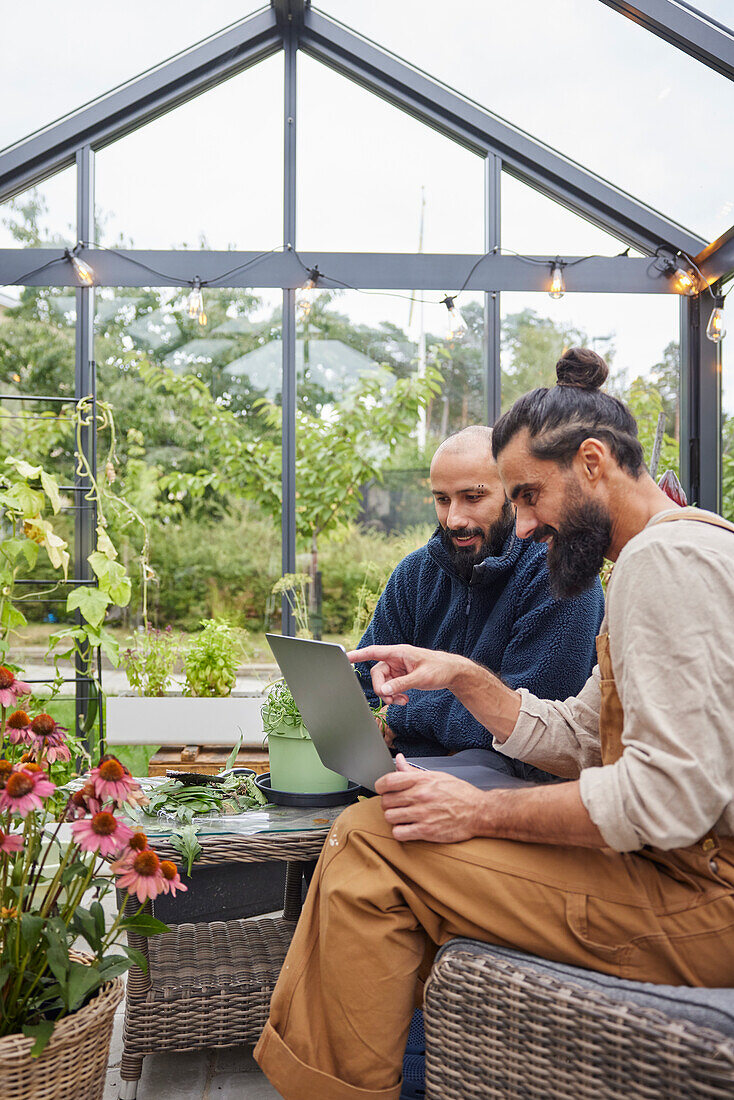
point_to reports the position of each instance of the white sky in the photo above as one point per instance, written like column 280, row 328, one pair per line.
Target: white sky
column 574, row 74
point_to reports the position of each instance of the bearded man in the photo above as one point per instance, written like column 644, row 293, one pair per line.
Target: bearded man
column 628, row 868
column 477, row 589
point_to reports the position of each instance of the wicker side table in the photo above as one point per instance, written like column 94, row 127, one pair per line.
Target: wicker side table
column 209, row 985
column 498, row 1028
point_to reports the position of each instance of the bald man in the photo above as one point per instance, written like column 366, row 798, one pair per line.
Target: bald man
column 478, row 590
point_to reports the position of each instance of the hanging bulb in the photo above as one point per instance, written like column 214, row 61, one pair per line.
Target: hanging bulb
column 306, row 297
column 195, row 301
column 456, row 326
column 716, row 328
column 558, row 286
column 82, row 270
column 203, row 319
column 685, row 281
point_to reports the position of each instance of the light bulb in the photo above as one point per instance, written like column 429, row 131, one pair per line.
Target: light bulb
column 716, row 329
column 558, row 286
column 685, row 281
column 306, row 297
column 456, row 326
column 196, row 300
column 203, row 319
column 82, row 270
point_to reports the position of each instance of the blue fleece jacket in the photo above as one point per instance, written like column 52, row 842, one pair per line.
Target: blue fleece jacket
column 505, row 619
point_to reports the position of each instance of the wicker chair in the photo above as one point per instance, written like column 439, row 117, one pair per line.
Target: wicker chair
column 209, row 984
column 501, row 1024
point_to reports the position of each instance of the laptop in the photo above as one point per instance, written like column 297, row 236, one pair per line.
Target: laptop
column 343, row 728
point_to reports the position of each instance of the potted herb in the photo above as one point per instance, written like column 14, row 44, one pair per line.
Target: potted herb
column 203, row 711
column 57, row 1004
column 295, row 764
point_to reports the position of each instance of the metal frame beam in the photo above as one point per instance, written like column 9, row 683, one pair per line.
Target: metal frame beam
column 492, row 312
column 704, row 39
column 374, row 270
column 85, row 516
column 716, row 261
column 138, row 102
column 700, row 405
column 288, row 335
column 482, row 132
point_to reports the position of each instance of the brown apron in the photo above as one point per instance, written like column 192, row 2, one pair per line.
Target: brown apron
column 611, row 718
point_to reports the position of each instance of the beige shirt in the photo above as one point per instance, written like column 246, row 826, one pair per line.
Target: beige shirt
column 670, row 617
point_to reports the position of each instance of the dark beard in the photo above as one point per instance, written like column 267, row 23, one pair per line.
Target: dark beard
column 491, row 546
column 580, row 543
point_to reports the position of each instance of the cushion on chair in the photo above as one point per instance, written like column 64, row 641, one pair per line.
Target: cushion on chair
column 712, row 1008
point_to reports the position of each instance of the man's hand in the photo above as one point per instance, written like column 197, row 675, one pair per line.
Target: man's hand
column 425, row 805
column 402, row 667
column 388, row 735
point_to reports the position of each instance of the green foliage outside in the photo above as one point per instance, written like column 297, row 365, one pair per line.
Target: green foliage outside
column 198, row 452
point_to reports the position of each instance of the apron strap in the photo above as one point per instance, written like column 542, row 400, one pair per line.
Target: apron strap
column 699, row 516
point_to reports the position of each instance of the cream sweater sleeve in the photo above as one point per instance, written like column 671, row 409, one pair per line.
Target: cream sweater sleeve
column 671, row 610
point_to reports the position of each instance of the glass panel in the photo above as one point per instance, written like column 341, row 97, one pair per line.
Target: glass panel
column 114, row 50
column 183, row 455
column 638, row 335
column 363, row 166
column 357, row 351
column 41, row 217
column 223, row 184
column 535, row 225
column 592, row 84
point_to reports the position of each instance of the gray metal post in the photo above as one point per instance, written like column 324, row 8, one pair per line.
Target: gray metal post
column 288, row 389
column 492, row 318
column 700, row 405
column 85, row 517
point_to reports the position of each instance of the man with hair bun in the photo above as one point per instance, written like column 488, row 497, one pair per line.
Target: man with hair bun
column 628, row 868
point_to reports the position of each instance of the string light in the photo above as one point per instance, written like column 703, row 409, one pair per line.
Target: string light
column 558, row 285
column 82, row 270
column 685, row 281
column 716, row 328
column 456, row 328
column 195, row 303
column 306, row 297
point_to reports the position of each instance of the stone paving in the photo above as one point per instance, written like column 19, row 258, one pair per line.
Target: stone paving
column 229, row 1074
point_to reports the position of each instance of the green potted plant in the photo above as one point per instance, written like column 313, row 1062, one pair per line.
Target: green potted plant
column 57, row 1004
column 295, row 765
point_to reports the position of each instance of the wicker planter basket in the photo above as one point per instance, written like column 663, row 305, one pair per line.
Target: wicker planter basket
column 74, row 1064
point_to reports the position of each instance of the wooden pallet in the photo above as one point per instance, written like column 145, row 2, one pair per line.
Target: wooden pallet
column 209, row 759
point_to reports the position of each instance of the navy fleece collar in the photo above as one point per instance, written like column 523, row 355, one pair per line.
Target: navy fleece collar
column 492, row 569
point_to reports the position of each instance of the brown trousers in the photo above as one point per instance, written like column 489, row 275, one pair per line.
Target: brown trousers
column 341, row 1009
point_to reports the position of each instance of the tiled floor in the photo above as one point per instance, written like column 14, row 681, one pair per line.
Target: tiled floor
column 229, row 1074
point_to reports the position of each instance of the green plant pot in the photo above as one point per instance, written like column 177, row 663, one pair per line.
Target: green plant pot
column 296, row 766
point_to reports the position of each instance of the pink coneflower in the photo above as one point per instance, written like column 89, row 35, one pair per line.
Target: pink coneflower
column 10, row 842
column 102, row 833
column 83, row 802
column 171, row 878
column 5, row 770
column 18, row 728
column 10, row 688
column 24, row 790
column 142, row 876
column 49, row 738
column 111, row 780
column 138, row 843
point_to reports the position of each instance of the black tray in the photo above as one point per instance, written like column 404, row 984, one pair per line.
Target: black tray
column 295, row 798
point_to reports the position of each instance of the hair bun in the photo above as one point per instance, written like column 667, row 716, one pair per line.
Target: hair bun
column 581, row 367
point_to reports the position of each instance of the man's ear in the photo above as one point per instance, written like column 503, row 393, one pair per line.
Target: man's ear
column 591, row 461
